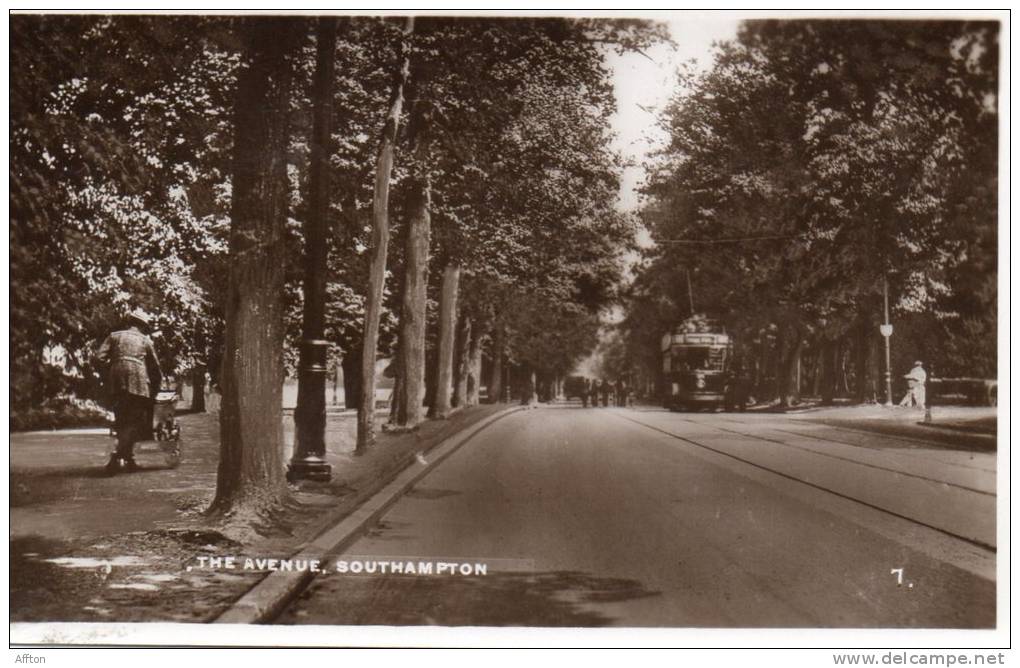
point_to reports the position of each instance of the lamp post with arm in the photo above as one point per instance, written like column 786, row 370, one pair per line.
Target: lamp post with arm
column 886, row 329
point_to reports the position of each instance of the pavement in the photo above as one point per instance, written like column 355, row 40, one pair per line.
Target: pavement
column 974, row 427
column 641, row 517
column 87, row 547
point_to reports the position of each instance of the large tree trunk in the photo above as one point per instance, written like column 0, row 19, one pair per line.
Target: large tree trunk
column 495, row 386
column 529, row 395
column 843, row 358
column 413, row 310
column 250, row 478
column 380, row 243
column 198, row 370
column 474, row 371
column 874, row 368
column 777, row 357
column 337, row 379
column 817, row 360
column 431, row 368
column 351, row 365
column 397, row 398
column 788, row 367
column 308, row 460
column 762, row 368
column 461, row 361
column 862, row 348
column 829, row 354
column 447, row 325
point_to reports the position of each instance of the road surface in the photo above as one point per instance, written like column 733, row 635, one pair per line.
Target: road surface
column 641, row 517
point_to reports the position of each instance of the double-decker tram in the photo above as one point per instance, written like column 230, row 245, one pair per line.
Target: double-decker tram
column 696, row 359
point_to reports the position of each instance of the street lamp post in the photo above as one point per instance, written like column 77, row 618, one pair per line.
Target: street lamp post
column 309, row 459
column 886, row 329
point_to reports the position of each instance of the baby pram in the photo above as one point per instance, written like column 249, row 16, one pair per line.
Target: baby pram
column 164, row 438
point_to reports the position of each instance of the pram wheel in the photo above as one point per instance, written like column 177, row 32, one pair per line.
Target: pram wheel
column 172, row 453
column 168, row 435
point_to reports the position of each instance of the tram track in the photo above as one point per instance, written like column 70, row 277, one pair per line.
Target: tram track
column 842, row 458
column 884, row 437
column 821, row 487
column 864, row 432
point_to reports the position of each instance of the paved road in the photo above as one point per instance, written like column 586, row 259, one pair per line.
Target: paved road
column 590, row 517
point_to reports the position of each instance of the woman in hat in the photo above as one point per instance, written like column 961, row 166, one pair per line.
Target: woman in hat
column 916, row 379
column 133, row 378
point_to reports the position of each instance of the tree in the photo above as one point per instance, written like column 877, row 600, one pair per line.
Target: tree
column 812, row 162
column 525, row 183
column 413, row 306
column 250, row 480
column 380, row 243
column 98, row 153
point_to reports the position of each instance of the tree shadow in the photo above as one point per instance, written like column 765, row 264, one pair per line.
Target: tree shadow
column 555, row 598
column 28, row 487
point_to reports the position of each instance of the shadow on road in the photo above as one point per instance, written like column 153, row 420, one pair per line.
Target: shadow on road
column 557, row 598
column 431, row 493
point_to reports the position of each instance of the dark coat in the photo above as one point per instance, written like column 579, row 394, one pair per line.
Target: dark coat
column 131, row 364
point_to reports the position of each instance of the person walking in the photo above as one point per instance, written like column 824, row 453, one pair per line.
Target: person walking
column 133, row 378
column 916, row 379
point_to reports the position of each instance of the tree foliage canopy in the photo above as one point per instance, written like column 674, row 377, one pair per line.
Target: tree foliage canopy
column 122, row 133
column 813, row 160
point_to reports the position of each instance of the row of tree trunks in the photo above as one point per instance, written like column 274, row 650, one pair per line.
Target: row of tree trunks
column 380, row 244
column 789, row 366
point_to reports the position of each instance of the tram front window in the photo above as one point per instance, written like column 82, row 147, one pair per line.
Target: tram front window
column 704, row 358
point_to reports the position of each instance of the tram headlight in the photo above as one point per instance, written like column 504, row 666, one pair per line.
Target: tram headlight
column 699, row 382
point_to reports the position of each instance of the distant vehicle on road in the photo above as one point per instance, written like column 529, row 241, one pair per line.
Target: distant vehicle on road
column 973, row 391
column 574, row 387
column 697, row 356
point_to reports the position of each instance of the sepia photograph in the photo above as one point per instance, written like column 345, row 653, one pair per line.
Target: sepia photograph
column 541, row 328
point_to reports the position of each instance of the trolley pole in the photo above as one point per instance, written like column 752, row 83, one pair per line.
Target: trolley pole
column 886, row 330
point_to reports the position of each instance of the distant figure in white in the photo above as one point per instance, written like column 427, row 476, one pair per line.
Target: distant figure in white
column 915, row 386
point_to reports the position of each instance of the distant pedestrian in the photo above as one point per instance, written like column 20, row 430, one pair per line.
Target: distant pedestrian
column 916, row 379
column 133, row 378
